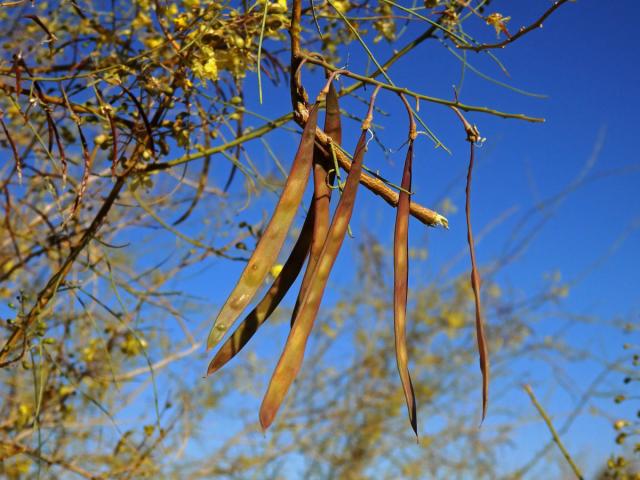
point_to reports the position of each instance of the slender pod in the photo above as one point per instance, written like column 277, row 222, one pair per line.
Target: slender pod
column 269, row 245
column 270, row 301
column 473, row 137
column 322, row 181
column 401, row 278
column 293, row 353
column 475, row 285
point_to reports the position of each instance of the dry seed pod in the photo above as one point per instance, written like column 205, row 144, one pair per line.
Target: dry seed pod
column 293, row 354
column 473, row 136
column 322, row 181
column 270, row 301
column 400, row 288
column 475, row 285
column 270, row 244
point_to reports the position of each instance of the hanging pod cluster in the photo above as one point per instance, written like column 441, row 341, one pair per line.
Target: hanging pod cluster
column 309, row 243
column 320, row 240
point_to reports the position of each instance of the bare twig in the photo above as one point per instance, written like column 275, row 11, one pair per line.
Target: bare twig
column 553, row 432
column 523, row 31
column 441, row 101
column 14, row 448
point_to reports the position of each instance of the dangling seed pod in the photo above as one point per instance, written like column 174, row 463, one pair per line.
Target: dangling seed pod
column 293, row 353
column 322, row 181
column 270, row 244
column 401, row 277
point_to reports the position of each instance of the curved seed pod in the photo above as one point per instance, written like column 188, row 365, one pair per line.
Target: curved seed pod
column 266, row 252
column 270, row 301
column 400, row 287
column 321, row 192
column 293, row 354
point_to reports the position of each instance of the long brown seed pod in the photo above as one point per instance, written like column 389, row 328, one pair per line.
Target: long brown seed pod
column 475, row 285
column 321, row 192
column 401, row 278
column 293, row 353
column 269, row 245
column 473, row 136
column 271, row 300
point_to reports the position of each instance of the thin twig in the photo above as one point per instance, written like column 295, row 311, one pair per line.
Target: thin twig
column 515, row 36
column 17, row 448
column 441, row 101
column 554, row 434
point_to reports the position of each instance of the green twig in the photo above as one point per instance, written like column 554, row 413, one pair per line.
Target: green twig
column 554, row 434
column 427, row 98
column 264, row 21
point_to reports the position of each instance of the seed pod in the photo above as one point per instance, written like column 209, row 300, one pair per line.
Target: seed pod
column 293, row 354
column 322, row 192
column 400, row 287
column 270, row 301
column 266, row 252
column 473, row 137
column 475, row 285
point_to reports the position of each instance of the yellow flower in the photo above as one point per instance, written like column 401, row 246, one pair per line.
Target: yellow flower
column 153, row 42
column 206, row 69
column 494, row 291
column 342, row 5
column 276, row 269
column 454, row 319
column 448, row 207
column 133, row 344
column 181, row 22
column 620, row 424
column 211, row 68
column 497, row 21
